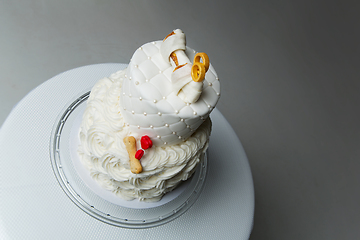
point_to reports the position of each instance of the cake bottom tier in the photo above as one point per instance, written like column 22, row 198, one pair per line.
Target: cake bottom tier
column 103, row 152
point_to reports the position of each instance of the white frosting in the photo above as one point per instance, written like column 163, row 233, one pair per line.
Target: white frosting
column 103, row 152
column 167, row 110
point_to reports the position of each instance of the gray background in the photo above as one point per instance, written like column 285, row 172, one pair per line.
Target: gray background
column 290, row 87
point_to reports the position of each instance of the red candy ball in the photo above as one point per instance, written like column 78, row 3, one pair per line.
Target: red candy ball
column 146, row 142
column 139, row 153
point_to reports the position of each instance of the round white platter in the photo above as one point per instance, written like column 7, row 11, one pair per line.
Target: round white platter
column 33, row 205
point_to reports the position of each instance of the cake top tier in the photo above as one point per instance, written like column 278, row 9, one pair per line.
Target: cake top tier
column 168, row 90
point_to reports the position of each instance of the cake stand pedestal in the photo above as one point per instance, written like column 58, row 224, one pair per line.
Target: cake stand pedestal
column 34, row 206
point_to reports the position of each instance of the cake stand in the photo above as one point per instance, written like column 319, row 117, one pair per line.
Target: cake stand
column 35, row 205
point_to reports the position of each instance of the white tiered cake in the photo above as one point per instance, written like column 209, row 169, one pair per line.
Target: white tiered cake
column 147, row 127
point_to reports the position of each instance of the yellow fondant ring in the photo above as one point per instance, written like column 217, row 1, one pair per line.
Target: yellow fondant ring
column 198, row 72
column 205, row 60
column 199, row 69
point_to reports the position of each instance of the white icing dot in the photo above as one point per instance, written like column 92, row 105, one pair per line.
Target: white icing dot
column 136, row 66
column 188, row 104
column 125, row 76
column 194, row 51
column 127, row 124
column 195, row 113
column 165, row 143
column 210, row 84
column 217, row 78
column 123, row 93
column 153, row 42
column 146, row 80
column 160, row 71
column 182, row 119
column 145, row 113
column 176, row 111
column 130, row 95
column 158, row 136
column 164, row 97
column 149, row 57
column 132, row 112
column 218, row 94
column 159, row 113
column 188, row 126
column 174, row 133
column 129, row 78
column 140, row 48
column 179, row 137
column 202, row 118
column 155, row 101
column 140, row 98
column 166, row 125
column 151, row 126
column 209, row 106
column 138, row 127
column 136, row 83
column 124, row 108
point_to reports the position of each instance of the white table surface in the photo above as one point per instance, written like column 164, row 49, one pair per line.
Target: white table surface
column 290, row 88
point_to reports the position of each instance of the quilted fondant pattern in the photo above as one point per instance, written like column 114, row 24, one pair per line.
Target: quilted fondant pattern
column 149, row 105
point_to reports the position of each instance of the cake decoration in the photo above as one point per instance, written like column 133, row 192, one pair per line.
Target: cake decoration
column 139, row 153
column 184, row 71
column 199, row 69
column 145, row 144
column 130, row 144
